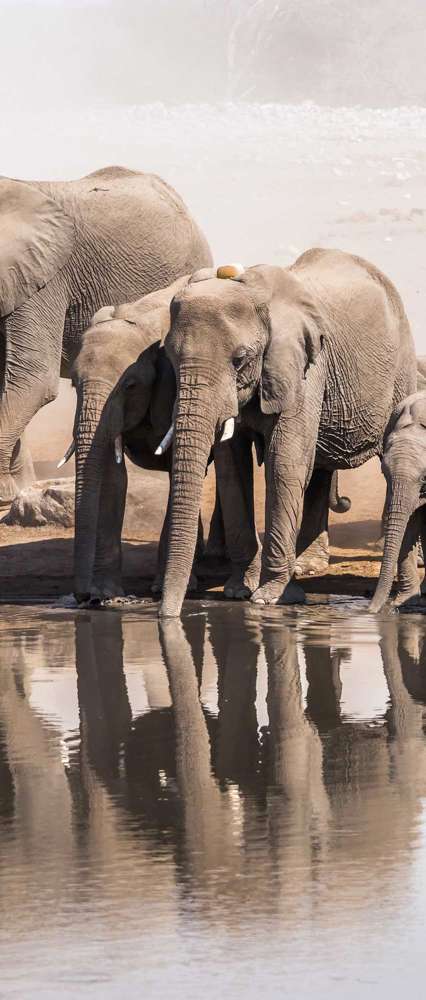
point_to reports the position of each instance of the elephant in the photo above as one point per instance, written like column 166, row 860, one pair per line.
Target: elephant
column 404, row 467
column 66, row 249
column 421, row 372
column 127, row 407
column 311, row 360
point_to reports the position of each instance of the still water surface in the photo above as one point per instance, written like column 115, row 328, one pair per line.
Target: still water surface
column 229, row 806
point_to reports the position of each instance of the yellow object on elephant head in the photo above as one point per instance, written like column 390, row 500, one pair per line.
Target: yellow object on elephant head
column 230, row 271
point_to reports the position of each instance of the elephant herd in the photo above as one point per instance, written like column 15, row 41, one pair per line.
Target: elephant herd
column 313, row 364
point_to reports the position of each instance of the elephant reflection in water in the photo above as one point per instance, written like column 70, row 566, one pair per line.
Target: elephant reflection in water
column 218, row 801
column 403, row 650
column 296, row 800
column 229, row 811
column 35, row 803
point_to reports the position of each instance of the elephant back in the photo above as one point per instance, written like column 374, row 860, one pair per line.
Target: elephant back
column 131, row 218
column 36, row 239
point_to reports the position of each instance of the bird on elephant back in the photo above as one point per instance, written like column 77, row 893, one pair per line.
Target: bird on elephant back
column 66, row 249
column 312, row 360
column 126, row 392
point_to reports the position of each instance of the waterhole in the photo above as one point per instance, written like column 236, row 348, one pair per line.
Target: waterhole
column 231, row 805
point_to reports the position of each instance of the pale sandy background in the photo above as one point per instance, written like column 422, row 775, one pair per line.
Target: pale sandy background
column 205, row 94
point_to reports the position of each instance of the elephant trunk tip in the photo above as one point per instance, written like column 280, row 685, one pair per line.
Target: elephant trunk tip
column 375, row 605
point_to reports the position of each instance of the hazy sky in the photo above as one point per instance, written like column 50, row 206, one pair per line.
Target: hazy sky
column 66, row 53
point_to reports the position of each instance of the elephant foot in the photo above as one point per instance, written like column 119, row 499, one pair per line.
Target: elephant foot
column 236, row 590
column 9, row 489
column 242, row 583
column 275, row 592
column 407, row 597
column 314, row 561
column 107, row 590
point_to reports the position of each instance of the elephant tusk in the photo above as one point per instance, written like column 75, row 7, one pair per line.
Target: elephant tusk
column 69, row 452
column 118, row 449
column 166, row 442
column 228, row 429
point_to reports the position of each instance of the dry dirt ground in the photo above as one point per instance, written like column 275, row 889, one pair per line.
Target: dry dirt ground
column 38, row 561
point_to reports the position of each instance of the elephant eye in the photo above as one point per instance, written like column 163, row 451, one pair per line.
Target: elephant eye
column 239, row 359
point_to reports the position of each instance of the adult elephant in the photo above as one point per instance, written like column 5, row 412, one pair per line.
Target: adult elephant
column 312, row 358
column 67, row 248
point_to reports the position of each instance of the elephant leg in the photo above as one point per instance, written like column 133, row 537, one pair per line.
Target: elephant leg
column 157, row 585
column 32, row 345
column 216, row 547
column 408, row 577
column 234, row 477
column 289, row 462
column 107, row 574
column 21, row 466
column 279, row 549
column 423, row 546
column 312, row 548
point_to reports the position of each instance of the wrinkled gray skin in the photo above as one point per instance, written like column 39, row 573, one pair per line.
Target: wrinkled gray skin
column 66, row 248
column 313, row 359
column 133, row 396
column 404, row 466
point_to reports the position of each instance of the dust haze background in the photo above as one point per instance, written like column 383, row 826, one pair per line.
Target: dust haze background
column 283, row 124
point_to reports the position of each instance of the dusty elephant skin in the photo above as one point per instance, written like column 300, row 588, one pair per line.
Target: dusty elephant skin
column 313, row 359
column 404, row 466
column 66, row 249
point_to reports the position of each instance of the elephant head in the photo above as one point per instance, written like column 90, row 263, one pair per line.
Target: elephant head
column 234, row 335
column 404, row 466
column 115, row 393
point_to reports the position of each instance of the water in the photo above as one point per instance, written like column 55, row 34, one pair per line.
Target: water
column 227, row 806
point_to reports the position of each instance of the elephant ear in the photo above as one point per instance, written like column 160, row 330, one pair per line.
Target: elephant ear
column 164, row 395
column 295, row 330
column 36, row 239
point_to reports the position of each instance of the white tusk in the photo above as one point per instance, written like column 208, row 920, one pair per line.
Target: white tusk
column 118, row 449
column 69, row 452
column 228, row 429
column 166, row 442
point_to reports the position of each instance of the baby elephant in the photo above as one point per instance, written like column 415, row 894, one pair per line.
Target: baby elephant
column 404, row 466
column 125, row 395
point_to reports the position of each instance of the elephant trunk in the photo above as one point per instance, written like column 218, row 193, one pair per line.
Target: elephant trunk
column 338, row 504
column 193, row 438
column 404, row 500
column 91, row 442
